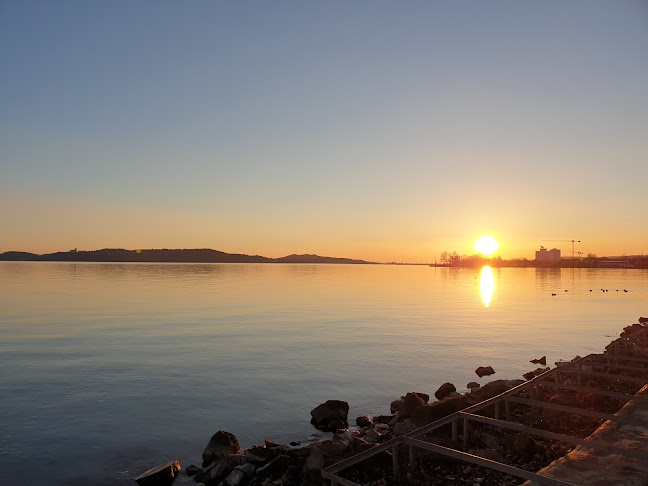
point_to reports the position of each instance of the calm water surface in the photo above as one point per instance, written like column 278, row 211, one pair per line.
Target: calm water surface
column 108, row 369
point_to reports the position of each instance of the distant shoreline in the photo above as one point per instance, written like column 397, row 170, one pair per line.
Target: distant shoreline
column 205, row 255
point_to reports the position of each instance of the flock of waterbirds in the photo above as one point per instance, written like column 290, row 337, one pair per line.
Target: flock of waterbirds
column 553, row 294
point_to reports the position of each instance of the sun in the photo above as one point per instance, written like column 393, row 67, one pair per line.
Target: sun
column 486, row 245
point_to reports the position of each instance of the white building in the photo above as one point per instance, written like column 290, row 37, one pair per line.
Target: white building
column 547, row 256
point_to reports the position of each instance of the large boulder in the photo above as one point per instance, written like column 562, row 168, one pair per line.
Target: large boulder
column 234, row 478
column 213, row 472
column 411, row 402
column 363, row 421
column 430, row 413
column 404, row 427
column 484, row 371
column 220, row 446
column 445, row 390
column 384, row 419
column 159, row 476
column 396, row 405
column 492, row 389
column 329, row 412
column 261, row 454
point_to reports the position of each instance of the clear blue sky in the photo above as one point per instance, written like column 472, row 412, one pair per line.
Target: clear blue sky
column 369, row 129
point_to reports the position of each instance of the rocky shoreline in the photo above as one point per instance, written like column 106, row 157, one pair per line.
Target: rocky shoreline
column 272, row 464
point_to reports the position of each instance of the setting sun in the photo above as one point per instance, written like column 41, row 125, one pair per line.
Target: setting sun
column 486, row 245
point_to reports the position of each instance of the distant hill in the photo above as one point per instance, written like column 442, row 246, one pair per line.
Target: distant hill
column 168, row 256
column 306, row 258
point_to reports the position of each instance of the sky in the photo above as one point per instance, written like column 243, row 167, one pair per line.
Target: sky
column 381, row 130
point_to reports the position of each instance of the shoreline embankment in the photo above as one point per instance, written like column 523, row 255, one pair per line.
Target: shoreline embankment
column 537, row 405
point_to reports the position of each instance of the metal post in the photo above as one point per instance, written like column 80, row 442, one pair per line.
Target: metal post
column 395, row 461
column 507, row 409
column 454, row 430
column 466, row 431
column 412, row 458
column 496, row 405
column 579, row 373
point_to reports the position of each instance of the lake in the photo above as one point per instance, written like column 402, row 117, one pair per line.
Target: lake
column 109, row 369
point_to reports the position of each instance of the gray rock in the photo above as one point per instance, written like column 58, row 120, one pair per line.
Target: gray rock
column 444, row 390
column 396, row 405
column 489, row 441
column 379, row 432
column 404, row 427
column 383, row 419
column 248, row 469
column 315, row 460
column 221, row 445
column 435, row 411
column 162, row 475
column 236, row 460
column 329, row 411
column 337, row 425
column 261, row 453
column 234, row 478
column 363, row 421
column 411, row 402
column 484, row 371
column 542, row 361
column 212, row 472
column 372, row 436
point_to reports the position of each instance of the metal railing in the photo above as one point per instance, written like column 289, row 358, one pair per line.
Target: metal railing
column 617, row 355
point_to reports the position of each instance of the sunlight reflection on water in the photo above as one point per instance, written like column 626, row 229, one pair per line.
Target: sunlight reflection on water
column 486, row 285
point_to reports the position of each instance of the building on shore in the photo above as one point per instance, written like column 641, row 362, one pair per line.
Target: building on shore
column 547, row 256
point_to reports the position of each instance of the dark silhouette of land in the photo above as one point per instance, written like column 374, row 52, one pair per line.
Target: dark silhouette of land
column 167, row 256
column 591, row 261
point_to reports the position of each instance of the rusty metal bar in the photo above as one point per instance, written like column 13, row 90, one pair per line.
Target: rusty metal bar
column 632, row 379
column 361, row 456
column 474, row 408
column 627, row 358
column 571, row 410
column 618, row 367
column 596, row 391
column 395, row 462
column 480, row 461
column 560, row 437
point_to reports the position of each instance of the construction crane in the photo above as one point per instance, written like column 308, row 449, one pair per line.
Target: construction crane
column 573, row 242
